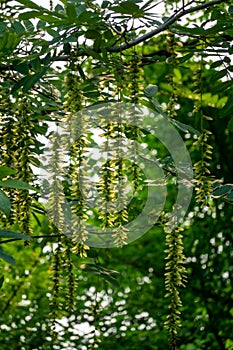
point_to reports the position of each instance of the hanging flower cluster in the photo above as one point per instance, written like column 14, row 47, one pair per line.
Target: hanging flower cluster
column 77, row 130
column 175, row 271
column 64, row 285
column 204, row 186
column 202, row 167
column 136, row 87
column 24, row 141
column 174, row 279
column 56, row 198
column 8, row 146
column 172, row 64
column 17, row 142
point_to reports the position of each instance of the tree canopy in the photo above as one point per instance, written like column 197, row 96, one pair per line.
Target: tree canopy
column 116, row 174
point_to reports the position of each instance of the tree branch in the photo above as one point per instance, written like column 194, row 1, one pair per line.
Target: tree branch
column 175, row 17
column 164, row 26
column 69, row 234
column 32, row 237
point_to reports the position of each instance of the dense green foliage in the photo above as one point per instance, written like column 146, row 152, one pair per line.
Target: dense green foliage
column 57, row 292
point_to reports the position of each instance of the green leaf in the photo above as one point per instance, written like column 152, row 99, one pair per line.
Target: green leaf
column 2, row 27
column 81, row 72
column 227, row 109
column 100, row 269
column 11, row 234
column 108, row 275
column 92, row 254
column 193, row 30
column 29, row 15
column 46, row 59
column 130, row 7
column 52, row 32
column 30, row 4
column 92, row 268
column 41, row 24
column 151, row 90
column 91, row 94
column 5, row 171
column 108, row 35
column 3, row 41
column 44, row 49
column 230, row 124
column 97, row 43
column 1, row 281
column 93, row 53
column 22, row 68
column 80, row 9
column 28, row 81
column 9, row 41
column 5, row 204
column 216, row 64
column 36, row 64
column 59, row 8
column 229, row 342
column 92, row 34
column 113, row 273
column 118, row 9
column 105, row 4
column 227, row 60
column 222, row 86
column 51, row 19
column 230, row 195
column 184, row 127
column 219, row 75
column 19, row 27
column 17, row 184
column 29, row 25
column 33, row 79
column 212, row 112
column 110, row 279
column 71, row 11
column 85, row 17
column 185, row 58
column 221, row 191
column 8, row 258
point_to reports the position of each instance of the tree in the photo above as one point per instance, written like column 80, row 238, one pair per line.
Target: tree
column 111, row 59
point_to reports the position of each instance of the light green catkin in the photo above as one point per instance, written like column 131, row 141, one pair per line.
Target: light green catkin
column 172, row 64
column 202, row 171
column 77, row 130
column 175, row 278
column 24, row 140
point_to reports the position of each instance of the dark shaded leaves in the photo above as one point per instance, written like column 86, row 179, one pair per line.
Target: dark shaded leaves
column 8, row 258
